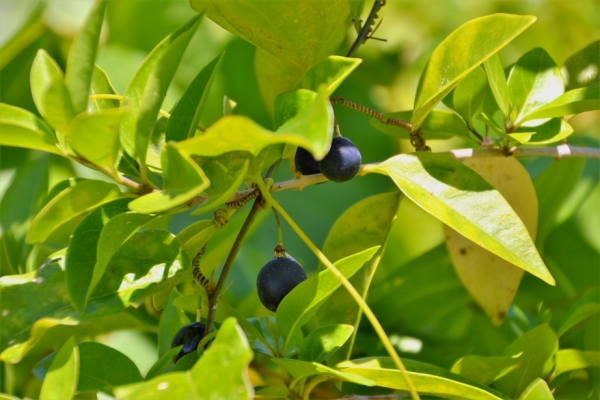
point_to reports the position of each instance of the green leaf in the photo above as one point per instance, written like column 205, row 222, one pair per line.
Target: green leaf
column 147, row 89
column 100, row 84
column 80, row 63
column 572, row 102
column 460, row 53
column 304, row 369
column 95, row 137
column 61, row 378
column 85, row 195
column 586, row 307
column 331, row 71
column 121, row 369
column 225, row 311
column 186, row 114
column 550, row 131
column 534, row 81
column 468, row 95
column 171, row 321
column 571, row 360
column 321, row 343
column 365, row 224
column 221, row 373
column 437, row 125
column 183, row 180
column 463, row 200
column 582, row 68
column 81, row 253
column 20, row 128
column 484, row 370
column 537, row 390
column 322, row 23
column 194, row 229
column 195, row 244
column 535, row 349
column 304, row 300
column 497, row 81
column 426, row 378
column 163, row 363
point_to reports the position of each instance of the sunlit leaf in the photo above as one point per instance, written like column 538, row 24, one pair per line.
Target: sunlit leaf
column 537, row 390
column 584, row 308
column 305, row 369
column 582, row 69
column 100, row 84
column 497, row 81
column 571, row 359
column 551, row 131
column 62, row 376
column 484, row 370
column 468, row 95
column 573, row 102
column 20, row 128
column 324, row 341
column 331, row 71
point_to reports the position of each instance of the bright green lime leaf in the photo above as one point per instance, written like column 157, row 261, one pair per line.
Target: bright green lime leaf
column 20, row 128
column 497, row 82
column 551, row 131
column 365, row 224
column 586, row 307
column 81, row 253
column 305, row 299
column 291, row 104
column 463, row 200
column 427, row 378
column 534, row 81
column 146, row 91
column 61, row 379
column 115, row 232
column 85, row 195
column 324, row 341
column 121, row 369
column 95, row 137
column 537, row 390
column 460, row 53
column 437, row 125
column 100, row 84
column 304, row 369
column 582, row 69
column 80, row 63
column 571, row 360
column 468, row 95
column 572, row 102
column 331, row 71
column 484, row 370
column 221, row 373
column 319, row 29
column 535, row 349
column 183, row 179
column 553, row 186
column 186, row 114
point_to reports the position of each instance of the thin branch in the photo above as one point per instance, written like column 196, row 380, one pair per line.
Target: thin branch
column 557, row 152
column 363, row 35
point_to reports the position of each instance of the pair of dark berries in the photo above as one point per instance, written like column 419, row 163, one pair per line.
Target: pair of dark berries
column 339, row 165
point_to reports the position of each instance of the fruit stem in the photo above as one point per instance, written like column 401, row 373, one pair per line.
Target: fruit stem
column 279, row 230
column 351, row 290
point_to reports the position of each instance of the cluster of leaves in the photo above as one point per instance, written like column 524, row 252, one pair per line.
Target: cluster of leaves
column 119, row 256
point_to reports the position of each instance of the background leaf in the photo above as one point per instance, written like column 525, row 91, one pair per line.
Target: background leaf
column 305, row 369
column 23, row 129
column 324, row 341
column 437, row 125
column 331, row 71
column 579, row 68
column 484, row 370
column 572, row 102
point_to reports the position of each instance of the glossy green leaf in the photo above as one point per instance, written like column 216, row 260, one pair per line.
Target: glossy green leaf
column 572, row 102
column 331, row 72
column 550, row 131
column 192, row 230
column 323, row 26
column 365, row 224
column 426, row 378
column 95, row 137
column 571, row 359
column 171, row 321
column 100, row 84
column 121, row 369
column 20, row 128
column 163, row 363
column 304, row 300
column 484, row 370
column 85, row 195
column 303, row 369
column 186, row 114
column 80, row 63
column 195, row 244
column 221, row 373
column 147, row 89
column 468, row 95
column 437, row 125
column 225, row 311
column 321, row 343
column 497, row 82
column 537, row 390
column 535, row 349
column 62, row 376
column 5, row 396
column 582, row 69
column 460, row 53
column 584, row 308
column 463, row 200
column 183, row 179
column 534, row 81
column 81, row 253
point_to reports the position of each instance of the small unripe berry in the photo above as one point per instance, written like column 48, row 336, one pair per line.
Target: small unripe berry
column 342, row 162
column 305, row 162
column 276, row 279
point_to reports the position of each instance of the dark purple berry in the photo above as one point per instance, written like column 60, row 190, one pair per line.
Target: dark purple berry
column 342, row 162
column 189, row 336
column 305, row 162
column 276, row 279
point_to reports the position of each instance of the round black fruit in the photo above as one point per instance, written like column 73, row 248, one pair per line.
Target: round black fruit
column 189, row 336
column 276, row 279
column 342, row 162
column 305, row 162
